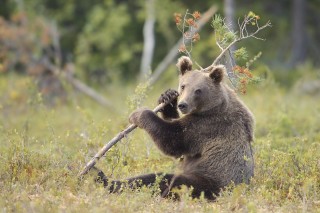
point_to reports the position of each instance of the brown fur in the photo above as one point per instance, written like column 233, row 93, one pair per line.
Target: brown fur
column 184, row 64
column 214, row 136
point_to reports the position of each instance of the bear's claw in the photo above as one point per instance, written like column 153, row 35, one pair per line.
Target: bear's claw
column 168, row 96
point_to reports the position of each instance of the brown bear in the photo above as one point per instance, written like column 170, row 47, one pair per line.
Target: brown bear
column 213, row 136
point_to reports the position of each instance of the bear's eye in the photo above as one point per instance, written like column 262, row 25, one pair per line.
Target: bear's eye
column 182, row 87
column 198, row 92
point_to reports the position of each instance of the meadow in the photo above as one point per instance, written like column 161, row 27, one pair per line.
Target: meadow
column 43, row 149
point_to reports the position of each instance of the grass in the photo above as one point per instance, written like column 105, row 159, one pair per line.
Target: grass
column 43, row 149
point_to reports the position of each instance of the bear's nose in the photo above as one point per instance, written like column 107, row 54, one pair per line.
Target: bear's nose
column 182, row 106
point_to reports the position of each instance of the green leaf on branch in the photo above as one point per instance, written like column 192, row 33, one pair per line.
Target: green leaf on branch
column 224, row 35
column 241, row 53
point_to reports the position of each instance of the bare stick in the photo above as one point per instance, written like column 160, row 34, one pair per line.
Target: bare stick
column 116, row 139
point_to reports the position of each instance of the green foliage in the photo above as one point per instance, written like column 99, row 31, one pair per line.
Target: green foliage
column 105, row 31
column 251, row 61
column 104, row 37
column 136, row 100
column 71, row 16
column 241, row 54
column 7, row 8
column 223, row 35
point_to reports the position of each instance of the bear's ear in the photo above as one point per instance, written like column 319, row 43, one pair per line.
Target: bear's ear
column 217, row 73
column 184, row 64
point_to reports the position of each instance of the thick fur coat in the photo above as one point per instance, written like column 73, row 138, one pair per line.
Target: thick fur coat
column 213, row 135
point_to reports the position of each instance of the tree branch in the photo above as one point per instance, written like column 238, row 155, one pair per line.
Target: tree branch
column 115, row 140
column 162, row 66
column 85, row 89
column 80, row 86
column 243, row 27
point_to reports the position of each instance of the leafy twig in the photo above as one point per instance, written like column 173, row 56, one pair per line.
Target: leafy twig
column 243, row 34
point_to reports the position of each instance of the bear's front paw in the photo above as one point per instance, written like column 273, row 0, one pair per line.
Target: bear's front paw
column 169, row 96
column 135, row 117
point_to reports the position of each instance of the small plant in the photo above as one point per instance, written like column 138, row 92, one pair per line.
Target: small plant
column 188, row 26
column 239, row 76
column 140, row 94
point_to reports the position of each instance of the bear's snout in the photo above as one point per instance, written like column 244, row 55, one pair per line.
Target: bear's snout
column 183, row 107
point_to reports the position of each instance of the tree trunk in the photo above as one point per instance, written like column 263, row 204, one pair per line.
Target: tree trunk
column 299, row 35
column 149, row 40
column 229, row 8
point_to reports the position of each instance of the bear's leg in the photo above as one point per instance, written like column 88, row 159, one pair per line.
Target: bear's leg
column 199, row 185
column 136, row 182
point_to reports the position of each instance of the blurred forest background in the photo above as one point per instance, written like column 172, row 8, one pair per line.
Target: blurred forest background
column 101, row 42
column 71, row 71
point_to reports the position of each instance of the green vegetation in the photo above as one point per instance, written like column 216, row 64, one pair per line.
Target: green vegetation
column 43, row 150
column 48, row 130
column 103, row 38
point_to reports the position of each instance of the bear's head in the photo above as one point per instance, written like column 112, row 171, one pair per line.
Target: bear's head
column 199, row 91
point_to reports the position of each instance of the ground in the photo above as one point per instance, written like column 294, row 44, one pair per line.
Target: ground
column 43, row 149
